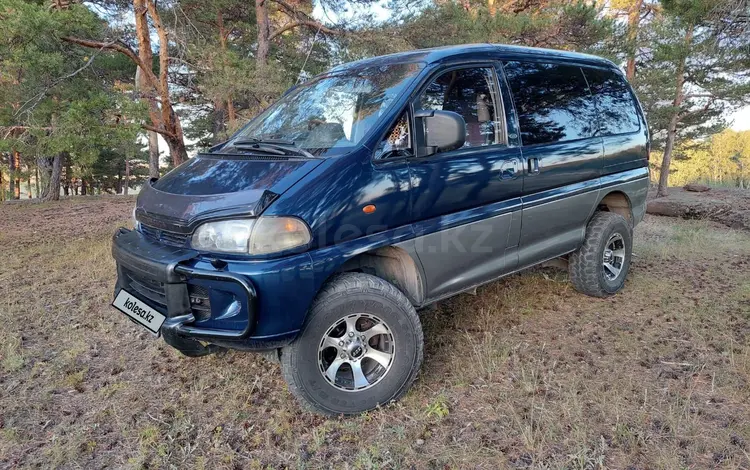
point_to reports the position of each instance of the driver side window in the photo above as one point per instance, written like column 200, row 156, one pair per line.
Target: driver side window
column 397, row 142
column 470, row 92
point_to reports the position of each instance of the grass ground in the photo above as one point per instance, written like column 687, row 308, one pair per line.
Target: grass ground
column 526, row 374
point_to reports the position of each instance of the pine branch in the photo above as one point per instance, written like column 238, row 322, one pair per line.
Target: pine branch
column 294, row 24
column 158, row 130
column 38, row 97
column 301, row 19
column 17, row 131
column 711, row 101
column 118, row 46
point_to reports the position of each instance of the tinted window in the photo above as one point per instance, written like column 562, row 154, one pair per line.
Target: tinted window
column 553, row 102
column 470, row 93
column 617, row 111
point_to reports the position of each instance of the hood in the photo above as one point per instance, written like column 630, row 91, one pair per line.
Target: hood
column 210, row 186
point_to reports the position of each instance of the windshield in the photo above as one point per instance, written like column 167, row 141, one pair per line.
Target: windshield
column 333, row 111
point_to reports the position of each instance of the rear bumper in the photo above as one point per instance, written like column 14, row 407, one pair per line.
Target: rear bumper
column 168, row 278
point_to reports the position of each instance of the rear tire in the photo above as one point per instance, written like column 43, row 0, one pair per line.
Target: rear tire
column 600, row 266
column 361, row 347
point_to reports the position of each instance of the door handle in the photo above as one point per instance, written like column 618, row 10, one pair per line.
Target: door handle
column 510, row 169
column 532, row 166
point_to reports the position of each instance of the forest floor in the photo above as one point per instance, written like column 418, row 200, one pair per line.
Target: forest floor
column 526, row 374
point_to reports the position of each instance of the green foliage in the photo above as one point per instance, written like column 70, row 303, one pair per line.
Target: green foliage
column 56, row 99
column 723, row 160
column 438, row 409
column 562, row 25
column 709, row 38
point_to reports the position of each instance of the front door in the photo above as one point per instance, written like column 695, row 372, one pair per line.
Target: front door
column 466, row 203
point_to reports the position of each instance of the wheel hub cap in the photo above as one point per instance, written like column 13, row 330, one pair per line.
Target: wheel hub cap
column 613, row 258
column 356, row 352
column 355, row 349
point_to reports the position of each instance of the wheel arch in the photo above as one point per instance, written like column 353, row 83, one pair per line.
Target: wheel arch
column 393, row 264
column 618, row 202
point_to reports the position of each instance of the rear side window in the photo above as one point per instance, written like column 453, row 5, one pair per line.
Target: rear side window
column 553, row 102
column 617, row 111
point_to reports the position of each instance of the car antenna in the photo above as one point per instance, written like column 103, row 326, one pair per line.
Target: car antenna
column 315, row 38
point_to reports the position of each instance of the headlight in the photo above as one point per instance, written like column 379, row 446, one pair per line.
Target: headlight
column 274, row 234
column 226, row 236
column 251, row 236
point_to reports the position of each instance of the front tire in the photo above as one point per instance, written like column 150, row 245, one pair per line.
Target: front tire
column 600, row 266
column 361, row 347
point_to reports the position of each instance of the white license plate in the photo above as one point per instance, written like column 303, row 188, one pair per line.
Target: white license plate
column 136, row 309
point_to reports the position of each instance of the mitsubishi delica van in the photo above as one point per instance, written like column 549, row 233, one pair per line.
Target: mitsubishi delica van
column 316, row 233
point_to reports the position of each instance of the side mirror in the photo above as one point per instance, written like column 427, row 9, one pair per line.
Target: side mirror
column 443, row 130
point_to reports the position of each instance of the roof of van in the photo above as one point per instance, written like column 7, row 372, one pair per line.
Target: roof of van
column 438, row 54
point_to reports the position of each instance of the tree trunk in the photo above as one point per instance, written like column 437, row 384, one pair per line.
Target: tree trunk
column 28, row 184
column 667, row 159
column 84, row 188
column 13, row 178
column 2, row 185
column 153, row 138
column 171, row 122
column 17, row 158
column 219, row 104
column 218, row 126
column 53, row 189
column 68, row 175
column 264, row 31
column 36, row 178
column 634, row 18
column 11, row 173
column 164, row 118
column 51, row 169
column 177, row 150
column 127, row 176
column 45, row 166
column 675, row 119
column 153, row 154
column 231, row 114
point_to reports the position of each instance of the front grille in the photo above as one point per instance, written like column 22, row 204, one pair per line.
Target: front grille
column 200, row 303
column 164, row 236
column 147, row 288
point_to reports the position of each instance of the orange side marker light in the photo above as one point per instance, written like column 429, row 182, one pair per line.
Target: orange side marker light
column 368, row 209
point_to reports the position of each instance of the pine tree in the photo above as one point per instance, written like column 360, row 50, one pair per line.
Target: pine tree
column 56, row 102
column 696, row 71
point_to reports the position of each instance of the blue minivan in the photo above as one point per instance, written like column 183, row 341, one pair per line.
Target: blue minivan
column 318, row 230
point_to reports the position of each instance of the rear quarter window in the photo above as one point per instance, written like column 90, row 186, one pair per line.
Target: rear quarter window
column 614, row 101
column 553, row 102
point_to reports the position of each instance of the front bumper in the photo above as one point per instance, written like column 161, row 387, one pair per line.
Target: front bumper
column 170, row 279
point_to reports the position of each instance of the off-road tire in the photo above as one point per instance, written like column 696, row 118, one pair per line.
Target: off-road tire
column 585, row 265
column 344, row 295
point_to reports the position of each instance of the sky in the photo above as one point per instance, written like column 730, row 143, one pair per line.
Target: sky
column 741, row 119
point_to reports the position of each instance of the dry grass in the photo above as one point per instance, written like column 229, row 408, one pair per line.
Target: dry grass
column 527, row 374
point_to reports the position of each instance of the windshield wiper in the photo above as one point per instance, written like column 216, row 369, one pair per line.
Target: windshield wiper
column 254, row 140
column 262, row 148
column 276, row 146
column 248, row 141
